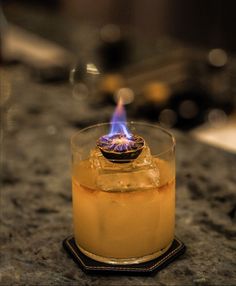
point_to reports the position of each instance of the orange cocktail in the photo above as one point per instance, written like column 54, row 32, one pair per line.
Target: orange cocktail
column 124, row 212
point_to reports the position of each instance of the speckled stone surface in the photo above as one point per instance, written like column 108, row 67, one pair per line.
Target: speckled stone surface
column 38, row 121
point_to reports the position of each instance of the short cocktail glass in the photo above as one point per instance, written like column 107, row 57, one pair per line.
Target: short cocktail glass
column 124, row 213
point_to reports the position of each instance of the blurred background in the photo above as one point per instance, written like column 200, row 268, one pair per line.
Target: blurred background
column 172, row 62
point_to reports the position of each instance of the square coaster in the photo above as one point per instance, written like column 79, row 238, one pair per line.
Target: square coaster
column 91, row 266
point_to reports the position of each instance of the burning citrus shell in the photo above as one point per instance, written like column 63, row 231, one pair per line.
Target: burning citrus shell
column 119, row 148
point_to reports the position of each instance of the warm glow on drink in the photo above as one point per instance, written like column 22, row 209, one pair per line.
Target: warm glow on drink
column 123, row 192
column 123, row 225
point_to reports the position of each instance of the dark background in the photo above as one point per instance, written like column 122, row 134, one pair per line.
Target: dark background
column 168, row 44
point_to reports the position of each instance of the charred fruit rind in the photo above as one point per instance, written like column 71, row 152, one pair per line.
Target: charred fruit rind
column 120, row 149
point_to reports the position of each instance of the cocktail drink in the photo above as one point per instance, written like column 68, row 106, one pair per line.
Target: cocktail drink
column 123, row 205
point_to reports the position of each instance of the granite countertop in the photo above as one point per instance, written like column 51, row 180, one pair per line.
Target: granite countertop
column 38, row 121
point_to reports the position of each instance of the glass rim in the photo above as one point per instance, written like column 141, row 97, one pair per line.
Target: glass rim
column 157, row 126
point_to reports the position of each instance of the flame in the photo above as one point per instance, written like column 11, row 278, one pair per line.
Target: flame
column 118, row 121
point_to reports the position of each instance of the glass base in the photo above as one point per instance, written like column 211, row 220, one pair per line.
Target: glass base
column 123, row 261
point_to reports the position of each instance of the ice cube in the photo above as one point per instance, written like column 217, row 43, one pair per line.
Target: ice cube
column 141, row 173
column 144, row 159
column 129, row 181
column 99, row 162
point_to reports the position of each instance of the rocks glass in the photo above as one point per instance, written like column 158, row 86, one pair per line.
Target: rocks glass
column 124, row 213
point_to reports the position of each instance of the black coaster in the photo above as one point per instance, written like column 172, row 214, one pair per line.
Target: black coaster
column 91, row 266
